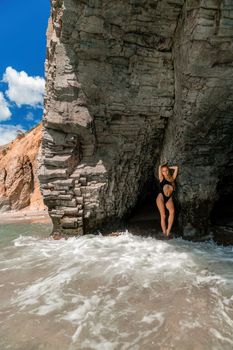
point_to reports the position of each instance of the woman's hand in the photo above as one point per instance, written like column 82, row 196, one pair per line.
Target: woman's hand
column 175, row 168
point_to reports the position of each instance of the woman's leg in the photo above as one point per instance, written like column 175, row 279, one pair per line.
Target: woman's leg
column 161, row 207
column 171, row 209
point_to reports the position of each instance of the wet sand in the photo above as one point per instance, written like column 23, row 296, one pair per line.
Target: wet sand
column 25, row 217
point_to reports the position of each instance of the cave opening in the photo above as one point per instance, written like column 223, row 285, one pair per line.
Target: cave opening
column 222, row 212
column 221, row 218
column 145, row 215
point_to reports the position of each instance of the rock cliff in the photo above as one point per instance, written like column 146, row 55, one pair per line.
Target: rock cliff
column 130, row 84
column 19, row 185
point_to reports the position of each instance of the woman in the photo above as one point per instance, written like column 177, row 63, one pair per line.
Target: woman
column 164, row 198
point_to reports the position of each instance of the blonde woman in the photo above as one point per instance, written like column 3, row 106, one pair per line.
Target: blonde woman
column 164, row 198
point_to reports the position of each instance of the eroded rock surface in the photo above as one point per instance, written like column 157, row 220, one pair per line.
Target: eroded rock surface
column 19, row 185
column 130, row 84
column 202, row 143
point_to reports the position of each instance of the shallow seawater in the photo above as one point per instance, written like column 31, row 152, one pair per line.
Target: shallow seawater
column 105, row 293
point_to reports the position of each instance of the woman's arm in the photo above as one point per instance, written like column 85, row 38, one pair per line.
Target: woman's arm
column 160, row 174
column 175, row 168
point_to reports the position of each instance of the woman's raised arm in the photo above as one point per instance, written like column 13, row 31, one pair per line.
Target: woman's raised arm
column 160, row 174
column 175, row 168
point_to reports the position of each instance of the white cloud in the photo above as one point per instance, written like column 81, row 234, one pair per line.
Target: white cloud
column 8, row 132
column 23, row 89
column 5, row 113
column 29, row 116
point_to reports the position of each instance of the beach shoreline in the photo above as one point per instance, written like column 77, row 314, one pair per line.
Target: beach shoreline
column 33, row 216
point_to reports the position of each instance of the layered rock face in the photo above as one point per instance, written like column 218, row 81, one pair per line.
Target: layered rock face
column 130, row 84
column 203, row 112
column 19, row 185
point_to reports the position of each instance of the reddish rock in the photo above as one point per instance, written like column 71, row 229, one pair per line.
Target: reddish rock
column 19, row 186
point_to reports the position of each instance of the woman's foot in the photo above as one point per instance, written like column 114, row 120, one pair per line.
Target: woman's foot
column 169, row 235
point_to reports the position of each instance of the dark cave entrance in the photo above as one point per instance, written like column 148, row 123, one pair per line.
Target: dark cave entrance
column 146, row 199
column 222, row 212
column 145, row 214
column 221, row 218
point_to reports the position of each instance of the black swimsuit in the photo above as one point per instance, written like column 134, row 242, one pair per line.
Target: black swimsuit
column 162, row 184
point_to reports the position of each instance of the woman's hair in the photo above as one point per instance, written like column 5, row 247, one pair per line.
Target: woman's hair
column 170, row 178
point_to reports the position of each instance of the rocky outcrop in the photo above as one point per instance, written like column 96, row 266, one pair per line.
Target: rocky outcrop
column 130, row 84
column 19, row 185
column 203, row 111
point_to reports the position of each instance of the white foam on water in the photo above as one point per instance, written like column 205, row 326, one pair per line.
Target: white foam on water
column 191, row 324
column 219, row 336
column 152, row 317
column 104, row 345
column 105, row 288
column 50, row 289
column 81, row 312
column 23, row 241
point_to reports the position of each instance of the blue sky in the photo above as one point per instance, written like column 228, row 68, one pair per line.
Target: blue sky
column 23, row 27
